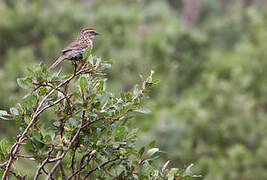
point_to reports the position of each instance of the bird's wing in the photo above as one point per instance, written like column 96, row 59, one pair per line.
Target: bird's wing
column 70, row 47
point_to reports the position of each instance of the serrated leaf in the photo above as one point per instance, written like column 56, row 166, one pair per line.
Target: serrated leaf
column 152, row 151
column 14, row 111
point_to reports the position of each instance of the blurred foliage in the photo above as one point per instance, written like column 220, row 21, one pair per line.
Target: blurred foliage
column 209, row 108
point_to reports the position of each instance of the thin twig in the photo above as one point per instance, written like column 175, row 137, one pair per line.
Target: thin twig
column 24, row 156
column 52, row 171
column 3, row 165
column 41, row 167
column 63, row 175
column 82, row 166
column 101, row 166
column 73, row 158
column 59, row 159
column 59, row 90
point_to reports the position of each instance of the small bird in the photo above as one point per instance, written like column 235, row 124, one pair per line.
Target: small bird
column 74, row 51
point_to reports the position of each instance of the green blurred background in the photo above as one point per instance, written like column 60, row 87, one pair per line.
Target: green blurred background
column 210, row 107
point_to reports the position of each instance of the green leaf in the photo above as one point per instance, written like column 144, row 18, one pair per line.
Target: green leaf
column 141, row 151
column 73, row 122
column 165, row 166
column 188, row 174
column 36, row 134
column 188, row 170
column 5, row 146
column 119, row 132
column 91, row 60
column 57, row 123
column 55, row 75
column 103, row 99
column 14, row 111
column 83, row 83
column 87, row 53
column 1, row 172
column 152, row 151
column 22, row 83
column 152, row 144
column 172, row 173
column 132, row 134
column 143, row 111
column 3, row 113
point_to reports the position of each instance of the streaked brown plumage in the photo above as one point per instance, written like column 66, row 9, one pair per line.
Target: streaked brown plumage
column 75, row 49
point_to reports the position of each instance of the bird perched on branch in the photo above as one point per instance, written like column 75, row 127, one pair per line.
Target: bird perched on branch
column 74, row 51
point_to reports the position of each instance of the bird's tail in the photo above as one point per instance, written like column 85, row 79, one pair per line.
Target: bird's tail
column 59, row 60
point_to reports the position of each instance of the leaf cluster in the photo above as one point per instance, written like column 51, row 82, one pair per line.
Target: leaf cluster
column 88, row 134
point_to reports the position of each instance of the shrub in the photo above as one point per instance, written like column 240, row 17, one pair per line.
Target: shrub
column 88, row 134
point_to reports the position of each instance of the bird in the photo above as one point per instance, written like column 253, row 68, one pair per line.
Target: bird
column 74, row 51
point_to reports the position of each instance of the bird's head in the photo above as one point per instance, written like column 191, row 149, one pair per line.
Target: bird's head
column 89, row 33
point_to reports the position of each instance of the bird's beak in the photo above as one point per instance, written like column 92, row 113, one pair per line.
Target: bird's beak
column 97, row 33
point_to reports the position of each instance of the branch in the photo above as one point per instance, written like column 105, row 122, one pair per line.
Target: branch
column 53, row 170
column 3, row 165
column 82, row 166
column 38, row 172
column 57, row 89
column 63, row 175
column 37, row 112
column 101, row 166
column 24, row 156
column 59, row 159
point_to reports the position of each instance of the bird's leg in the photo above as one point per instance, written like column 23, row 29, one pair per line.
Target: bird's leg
column 75, row 66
